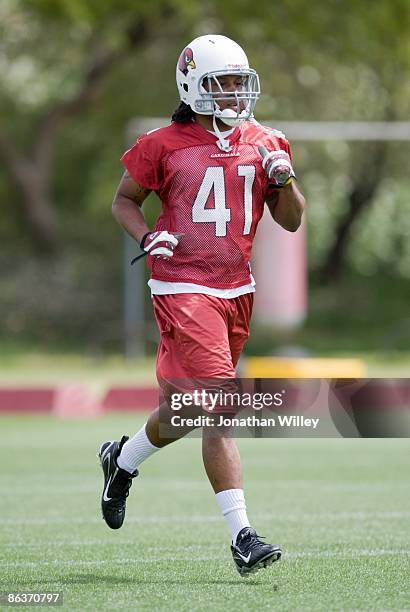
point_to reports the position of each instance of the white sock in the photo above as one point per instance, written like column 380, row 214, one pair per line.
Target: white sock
column 233, row 507
column 135, row 451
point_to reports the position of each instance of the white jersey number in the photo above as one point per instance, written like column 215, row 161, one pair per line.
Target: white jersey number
column 214, row 179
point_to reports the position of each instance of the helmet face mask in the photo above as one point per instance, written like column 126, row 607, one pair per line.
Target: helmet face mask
column 204, row 78
column 231, row 106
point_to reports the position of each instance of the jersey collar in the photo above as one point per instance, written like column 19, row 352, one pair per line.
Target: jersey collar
column 205, row 135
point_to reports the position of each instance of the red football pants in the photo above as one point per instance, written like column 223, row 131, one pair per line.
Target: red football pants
column 202, row 336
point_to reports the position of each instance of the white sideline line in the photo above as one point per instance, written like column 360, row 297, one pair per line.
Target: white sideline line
column 320, row 516
column 42, row 479
column 91, row 488
column 20, row 492
column 118, row 543
column 376, row 552
column 193, row 549
column 350, row 554
column 79, row 562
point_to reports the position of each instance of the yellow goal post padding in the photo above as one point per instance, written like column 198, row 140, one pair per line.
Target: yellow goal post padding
column 302, row 367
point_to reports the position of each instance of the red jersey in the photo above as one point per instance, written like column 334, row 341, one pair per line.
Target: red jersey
column 214, row 198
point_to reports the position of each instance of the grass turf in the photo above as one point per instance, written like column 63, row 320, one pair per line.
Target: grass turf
column 338, row 507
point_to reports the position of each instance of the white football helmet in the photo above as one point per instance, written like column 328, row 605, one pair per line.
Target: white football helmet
column 199, row 68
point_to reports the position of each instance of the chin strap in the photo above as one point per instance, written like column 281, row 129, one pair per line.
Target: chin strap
column 222, row 143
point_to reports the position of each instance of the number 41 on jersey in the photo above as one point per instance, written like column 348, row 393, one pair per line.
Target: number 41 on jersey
column 214, row 179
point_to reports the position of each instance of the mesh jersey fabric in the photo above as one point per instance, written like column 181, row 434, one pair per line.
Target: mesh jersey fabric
column 214, row 198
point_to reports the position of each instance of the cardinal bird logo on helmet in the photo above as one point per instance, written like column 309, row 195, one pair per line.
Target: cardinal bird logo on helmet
column 186, row 59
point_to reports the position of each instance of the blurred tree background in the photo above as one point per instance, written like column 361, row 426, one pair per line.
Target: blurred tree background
column 74, row 72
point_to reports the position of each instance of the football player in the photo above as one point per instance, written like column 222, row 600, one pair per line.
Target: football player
column 213, row 168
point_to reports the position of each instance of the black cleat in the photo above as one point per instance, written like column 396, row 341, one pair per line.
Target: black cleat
column 117, row 483
column 250, row 554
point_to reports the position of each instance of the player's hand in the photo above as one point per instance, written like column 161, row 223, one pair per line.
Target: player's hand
column 277, row 166
column 160, row 244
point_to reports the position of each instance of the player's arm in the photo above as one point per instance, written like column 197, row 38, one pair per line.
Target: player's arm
column 286, row 206
column 126, row 206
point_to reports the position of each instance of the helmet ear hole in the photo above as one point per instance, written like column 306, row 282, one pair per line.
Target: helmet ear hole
column 185, row 86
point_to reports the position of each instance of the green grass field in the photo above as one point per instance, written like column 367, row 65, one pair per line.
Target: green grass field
column 338, row 507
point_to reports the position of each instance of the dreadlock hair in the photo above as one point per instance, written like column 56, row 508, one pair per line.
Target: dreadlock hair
column 183, row 113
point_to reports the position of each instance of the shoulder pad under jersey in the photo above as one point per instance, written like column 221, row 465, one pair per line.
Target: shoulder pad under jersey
column 276, row 133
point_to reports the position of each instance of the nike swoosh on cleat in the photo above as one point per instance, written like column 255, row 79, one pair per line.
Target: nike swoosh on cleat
column 105, row 496
column 245, row 559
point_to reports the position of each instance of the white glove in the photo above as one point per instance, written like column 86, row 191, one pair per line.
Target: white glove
column 277, row 166
column 160, row 244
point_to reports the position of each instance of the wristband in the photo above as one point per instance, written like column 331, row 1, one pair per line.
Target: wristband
column 143, row 239
column 144, row 253
column 288, row 182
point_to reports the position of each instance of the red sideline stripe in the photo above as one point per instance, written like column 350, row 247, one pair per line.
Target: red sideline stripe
column 131, row 398
column 28, row 399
